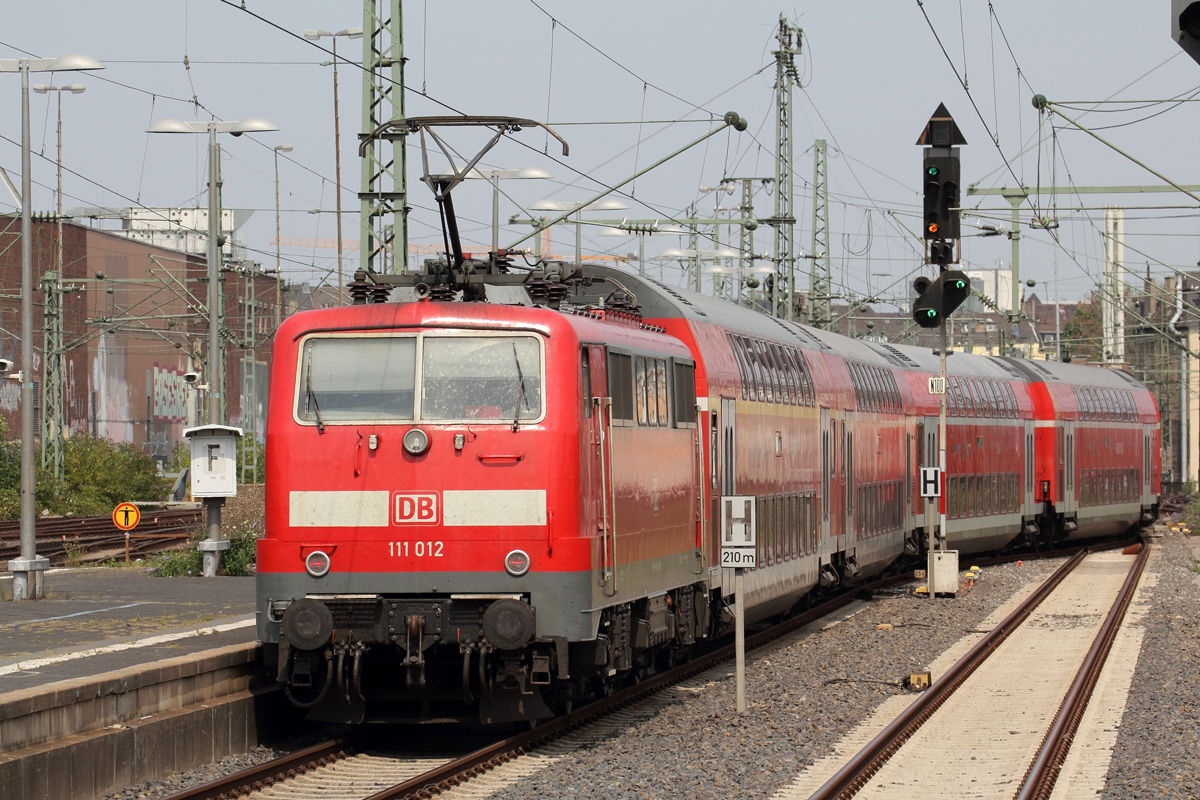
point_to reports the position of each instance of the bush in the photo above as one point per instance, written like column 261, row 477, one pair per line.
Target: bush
column 97, row 475
column 238, row 561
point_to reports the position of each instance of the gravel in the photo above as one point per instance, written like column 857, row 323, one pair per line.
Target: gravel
column 1156, row 754
column 226, row 766
column 697, row 747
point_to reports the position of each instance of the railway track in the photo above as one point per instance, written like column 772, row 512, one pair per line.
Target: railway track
column 353, row 766
column 886, row 765
column 59, row 537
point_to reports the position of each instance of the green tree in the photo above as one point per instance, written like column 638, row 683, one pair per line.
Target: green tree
column 1082, row 338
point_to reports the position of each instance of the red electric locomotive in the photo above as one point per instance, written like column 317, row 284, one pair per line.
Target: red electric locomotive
column 498, row 501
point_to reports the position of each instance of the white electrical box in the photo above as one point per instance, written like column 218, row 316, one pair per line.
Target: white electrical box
column 945, row 575
column 214, row 460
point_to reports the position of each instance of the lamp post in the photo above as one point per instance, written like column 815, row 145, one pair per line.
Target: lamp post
column 27, row 570
column 215, row 374
column 282, row 148
column 314, row 35
column 74, row 88
column 607, row 204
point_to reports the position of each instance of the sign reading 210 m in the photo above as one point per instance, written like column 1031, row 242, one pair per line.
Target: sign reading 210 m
column 739, row 532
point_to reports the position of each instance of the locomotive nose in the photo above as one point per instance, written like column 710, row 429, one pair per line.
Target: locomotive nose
column 307, row 624
column 508, row 624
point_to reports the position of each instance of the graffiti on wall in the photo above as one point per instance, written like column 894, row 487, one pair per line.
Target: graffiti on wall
column 170, row 392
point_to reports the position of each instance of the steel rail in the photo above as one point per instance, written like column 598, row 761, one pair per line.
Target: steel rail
column 862, row 767
column 272, row 772
column 461, row 770
column 482, row 760
column 1044, row 770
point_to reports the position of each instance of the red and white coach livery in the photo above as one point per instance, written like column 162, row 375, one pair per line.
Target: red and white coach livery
column 489, row 508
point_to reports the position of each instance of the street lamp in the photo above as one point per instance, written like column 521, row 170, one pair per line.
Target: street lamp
column 607, row 204
column 280, row 148
column 212, row 553
column 52, row 374
column 30, row 564
column 494, row 176
column 315, row 35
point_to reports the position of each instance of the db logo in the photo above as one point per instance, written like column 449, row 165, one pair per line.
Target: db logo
column 415, row 509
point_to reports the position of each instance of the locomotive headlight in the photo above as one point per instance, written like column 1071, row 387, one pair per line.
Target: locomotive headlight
column 516, row 563
column 416, row 441
column 316, row 563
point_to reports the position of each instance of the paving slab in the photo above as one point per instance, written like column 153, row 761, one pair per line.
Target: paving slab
column 101, row 619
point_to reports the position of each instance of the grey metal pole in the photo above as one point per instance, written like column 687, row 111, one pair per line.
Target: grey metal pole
column 214, row 280
column 1014, row 313
column 212, row 558
column 28, row 569
column 337, row 143
column 642, row 254
column 278, row 257
column 739, row 628
column 496, row 214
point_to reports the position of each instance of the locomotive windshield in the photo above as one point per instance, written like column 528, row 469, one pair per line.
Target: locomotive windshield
column 345, row 379
column 481, row 377
column 462, row 378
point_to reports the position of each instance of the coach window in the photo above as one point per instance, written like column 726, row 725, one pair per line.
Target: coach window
column 586, row 373
column 1105, row 408
column 782, row 395
column 793, row 376
column 880, row 389
column 770, row 374
column 1012, row 397
column 660, row 367
column 651, row 394
column 806, row 388
column 968, row 404
column 685, row 393
column 989, row 400
column 952, row 396
column 737, row 357
column 756, row 367
column 785, row 374
column 620, row 387
column 978, row 396
column 639, row 382
column 897, row 404
column 772, row 370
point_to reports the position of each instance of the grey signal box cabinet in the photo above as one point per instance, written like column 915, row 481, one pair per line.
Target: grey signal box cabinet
column 214, row 460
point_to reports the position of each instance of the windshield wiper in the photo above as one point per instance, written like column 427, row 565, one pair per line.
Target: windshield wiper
column 521, row 395
column 310, row 397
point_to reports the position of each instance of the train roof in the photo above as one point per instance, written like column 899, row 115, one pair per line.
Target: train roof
column 663, row 301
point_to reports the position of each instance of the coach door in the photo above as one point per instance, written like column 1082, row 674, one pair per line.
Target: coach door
column 1030, row 485
column 1147, row 463
column 601, row 441
column 849, row 489
column 1070, row 504
column 827, row 443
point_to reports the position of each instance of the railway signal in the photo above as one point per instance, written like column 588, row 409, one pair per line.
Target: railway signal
column 1185, row 26
column 939, row 297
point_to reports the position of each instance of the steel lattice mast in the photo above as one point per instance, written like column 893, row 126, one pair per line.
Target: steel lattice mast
column 819, row 314
column 383, row 186
column 783, row 221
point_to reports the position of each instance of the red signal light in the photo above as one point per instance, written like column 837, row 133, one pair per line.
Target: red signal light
column 933, row 228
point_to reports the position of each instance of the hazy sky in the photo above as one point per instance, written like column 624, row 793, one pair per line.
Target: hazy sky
column 872, row 73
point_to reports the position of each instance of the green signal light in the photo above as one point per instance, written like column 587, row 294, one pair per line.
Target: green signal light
column 933, row 170
column 931, row 313
column 959, row 285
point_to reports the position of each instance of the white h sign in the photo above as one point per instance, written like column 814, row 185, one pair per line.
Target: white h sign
column 931, row 482
column 739, row 531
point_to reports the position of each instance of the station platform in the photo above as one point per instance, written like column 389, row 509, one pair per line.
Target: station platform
column 97, row 620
